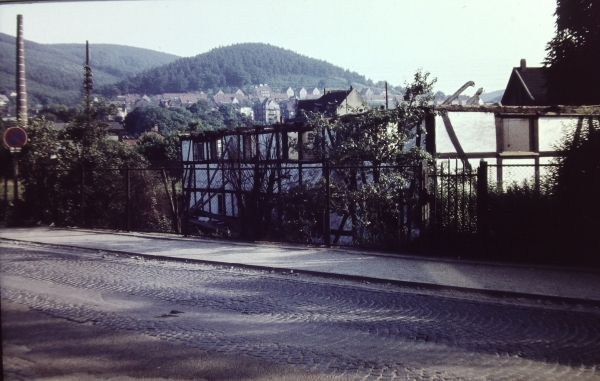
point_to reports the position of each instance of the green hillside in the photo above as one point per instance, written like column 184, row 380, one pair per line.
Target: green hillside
column 55, row 71
column 240, row 65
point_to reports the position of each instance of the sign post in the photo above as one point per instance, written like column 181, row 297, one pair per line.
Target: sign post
column 15, row 138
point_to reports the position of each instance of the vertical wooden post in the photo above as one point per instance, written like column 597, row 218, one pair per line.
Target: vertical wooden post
column 430, row 145
column 300, row 156
column 535, row 147
column 278, row 149
column 500, row 175
column 424, row 199
column 176, row 221
column 171, row 198
column 187, row 196
column 208, row 187
column 386, row 95
column 537, row 174
column 482, row 199
column 258, row 212
column 433, row 210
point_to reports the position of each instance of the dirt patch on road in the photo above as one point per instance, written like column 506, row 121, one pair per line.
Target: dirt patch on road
column 40, row 347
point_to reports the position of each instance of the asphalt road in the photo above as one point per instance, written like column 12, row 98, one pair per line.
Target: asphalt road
column 342, row 328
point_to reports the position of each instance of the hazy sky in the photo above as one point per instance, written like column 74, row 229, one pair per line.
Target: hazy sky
column 456, row 40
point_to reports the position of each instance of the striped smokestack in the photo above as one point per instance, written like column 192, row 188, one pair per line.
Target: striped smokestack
column 21, row 89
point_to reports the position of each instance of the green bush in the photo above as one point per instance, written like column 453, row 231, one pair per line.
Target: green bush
column 576, row 187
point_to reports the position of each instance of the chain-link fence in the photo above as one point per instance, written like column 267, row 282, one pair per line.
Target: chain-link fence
column 510, row 176
column 496, row 208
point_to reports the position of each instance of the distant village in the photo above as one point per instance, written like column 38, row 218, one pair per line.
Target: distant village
column 263, row 105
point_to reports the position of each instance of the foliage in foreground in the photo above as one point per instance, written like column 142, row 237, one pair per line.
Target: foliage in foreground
column 574, row 54
column 374, row 158
column 576, row 188
column 77, row 177
column 558, row 223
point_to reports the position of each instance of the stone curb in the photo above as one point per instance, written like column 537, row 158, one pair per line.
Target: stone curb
column 411, row 284
column 345, row 250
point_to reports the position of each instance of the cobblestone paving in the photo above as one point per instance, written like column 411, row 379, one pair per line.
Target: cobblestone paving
column 346, row 328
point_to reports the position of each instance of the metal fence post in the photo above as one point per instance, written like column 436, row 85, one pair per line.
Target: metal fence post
column 424, row 202
column 82, row 196
column 5, row 196
column 127, row 198
column 175, row 206
column 15, row 179
column 424, row 194
column 482, row 199
column 327, row 219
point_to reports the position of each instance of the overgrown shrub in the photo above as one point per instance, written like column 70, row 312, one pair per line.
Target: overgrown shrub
column 522, row 225
column 576, row 188
column 374, row 156
column 560, row 223
column 77, row 177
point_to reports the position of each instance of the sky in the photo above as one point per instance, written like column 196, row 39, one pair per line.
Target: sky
column 455, row 40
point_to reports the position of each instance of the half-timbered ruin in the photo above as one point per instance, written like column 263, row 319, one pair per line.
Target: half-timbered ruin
column 223, row 170
column 234, row 174
column 505, row 136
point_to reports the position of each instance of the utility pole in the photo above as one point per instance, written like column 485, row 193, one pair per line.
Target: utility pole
column 386, row 96
column 88, row 82
column 88, row 85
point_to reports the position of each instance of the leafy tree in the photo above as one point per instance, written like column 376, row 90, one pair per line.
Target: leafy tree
column 376, row 155
column 54, row 164
column 77, row 176
column 198, row 117
column 573, row 55
column 58, row 113
column 201, row 107
column 206, row 118
column 143, row 119
column 439, row 95
column 232, row 118
column 198, row 125
column 576, row 185
column 157, row 149
column 557, row 223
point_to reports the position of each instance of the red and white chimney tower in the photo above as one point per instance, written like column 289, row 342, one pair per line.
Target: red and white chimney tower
column 21, row 88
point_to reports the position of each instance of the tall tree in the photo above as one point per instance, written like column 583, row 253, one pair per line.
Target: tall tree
column 573, row 56
column 576, row 185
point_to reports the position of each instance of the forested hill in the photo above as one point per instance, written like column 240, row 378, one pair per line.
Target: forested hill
column 55, row 71
column 240, row 65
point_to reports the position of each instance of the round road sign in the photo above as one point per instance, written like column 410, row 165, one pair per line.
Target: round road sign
column 15, row 137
